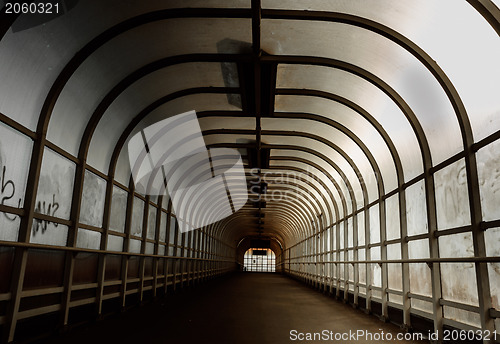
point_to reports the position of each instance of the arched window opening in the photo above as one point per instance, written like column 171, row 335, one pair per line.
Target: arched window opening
column 260, row 260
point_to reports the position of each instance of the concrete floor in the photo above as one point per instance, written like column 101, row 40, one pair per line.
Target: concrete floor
column 237, row 309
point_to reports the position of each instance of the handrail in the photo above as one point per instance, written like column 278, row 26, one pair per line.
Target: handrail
column 87, row 250
column 414, row 261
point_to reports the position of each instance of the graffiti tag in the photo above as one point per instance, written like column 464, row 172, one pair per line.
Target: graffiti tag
column 7, row 192
column 46, row 209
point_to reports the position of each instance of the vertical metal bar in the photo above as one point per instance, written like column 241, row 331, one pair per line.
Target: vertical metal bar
column 306, row 259
column 69, row 267
column 331, row 258
column 21, row 254
column 142, row 259
column 183, row 263
column 356, row 256
column 19, row 267
column 189, row 252
column 482, row 277
column 156, row 261
column 197, row 255
column 290, row 260
column 256, row 49
column 405, row 267
column 205, row 254
column 310, row 260
column 101, row 271
column 368, row 268
column 303, row 259
column 337, row 233
column 437, row 309
column 314, row 258
column 167, row 245
column 126, row 242
column 216, row 252
column 346, row 256
column 324, row 256
column 72, row 236
column 202, row 254
column 175, row 262
column 383, row 257
column 208, row 253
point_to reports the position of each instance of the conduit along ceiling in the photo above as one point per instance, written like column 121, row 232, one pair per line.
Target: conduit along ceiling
column 379, row 118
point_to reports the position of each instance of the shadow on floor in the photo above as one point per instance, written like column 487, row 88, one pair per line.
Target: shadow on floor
column 237, row 309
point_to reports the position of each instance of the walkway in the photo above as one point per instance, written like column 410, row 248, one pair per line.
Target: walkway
column 242, row 308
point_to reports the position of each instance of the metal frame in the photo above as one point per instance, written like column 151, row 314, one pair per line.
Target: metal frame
column 304, row 246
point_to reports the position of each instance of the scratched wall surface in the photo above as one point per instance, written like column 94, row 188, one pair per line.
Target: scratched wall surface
column 53, row 198
column 492, row 238
column 171, row 236
column 459, row 283
column 416, row 209
column 374, row 224
column 420, row 274
column 163, row 227
column 118, row 210
column 392, row 218
column 151, row 222
column 94, row 192
column 9, row 225
column 452, row 207
column 52, row 234
column 15, row 153
column 137, row 217
column 394, row 277
column 88, row 239
column 452, row 200
column 134, row 246
column 376, row 272
column 488, row 163
column 362, row 271
column 115, row 243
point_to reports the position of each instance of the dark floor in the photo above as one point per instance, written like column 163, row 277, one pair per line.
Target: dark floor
column 241, row 308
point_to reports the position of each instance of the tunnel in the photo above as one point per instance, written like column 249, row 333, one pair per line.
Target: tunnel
column 250, row 171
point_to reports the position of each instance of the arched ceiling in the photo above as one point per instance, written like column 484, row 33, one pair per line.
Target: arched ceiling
column 335, row 104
